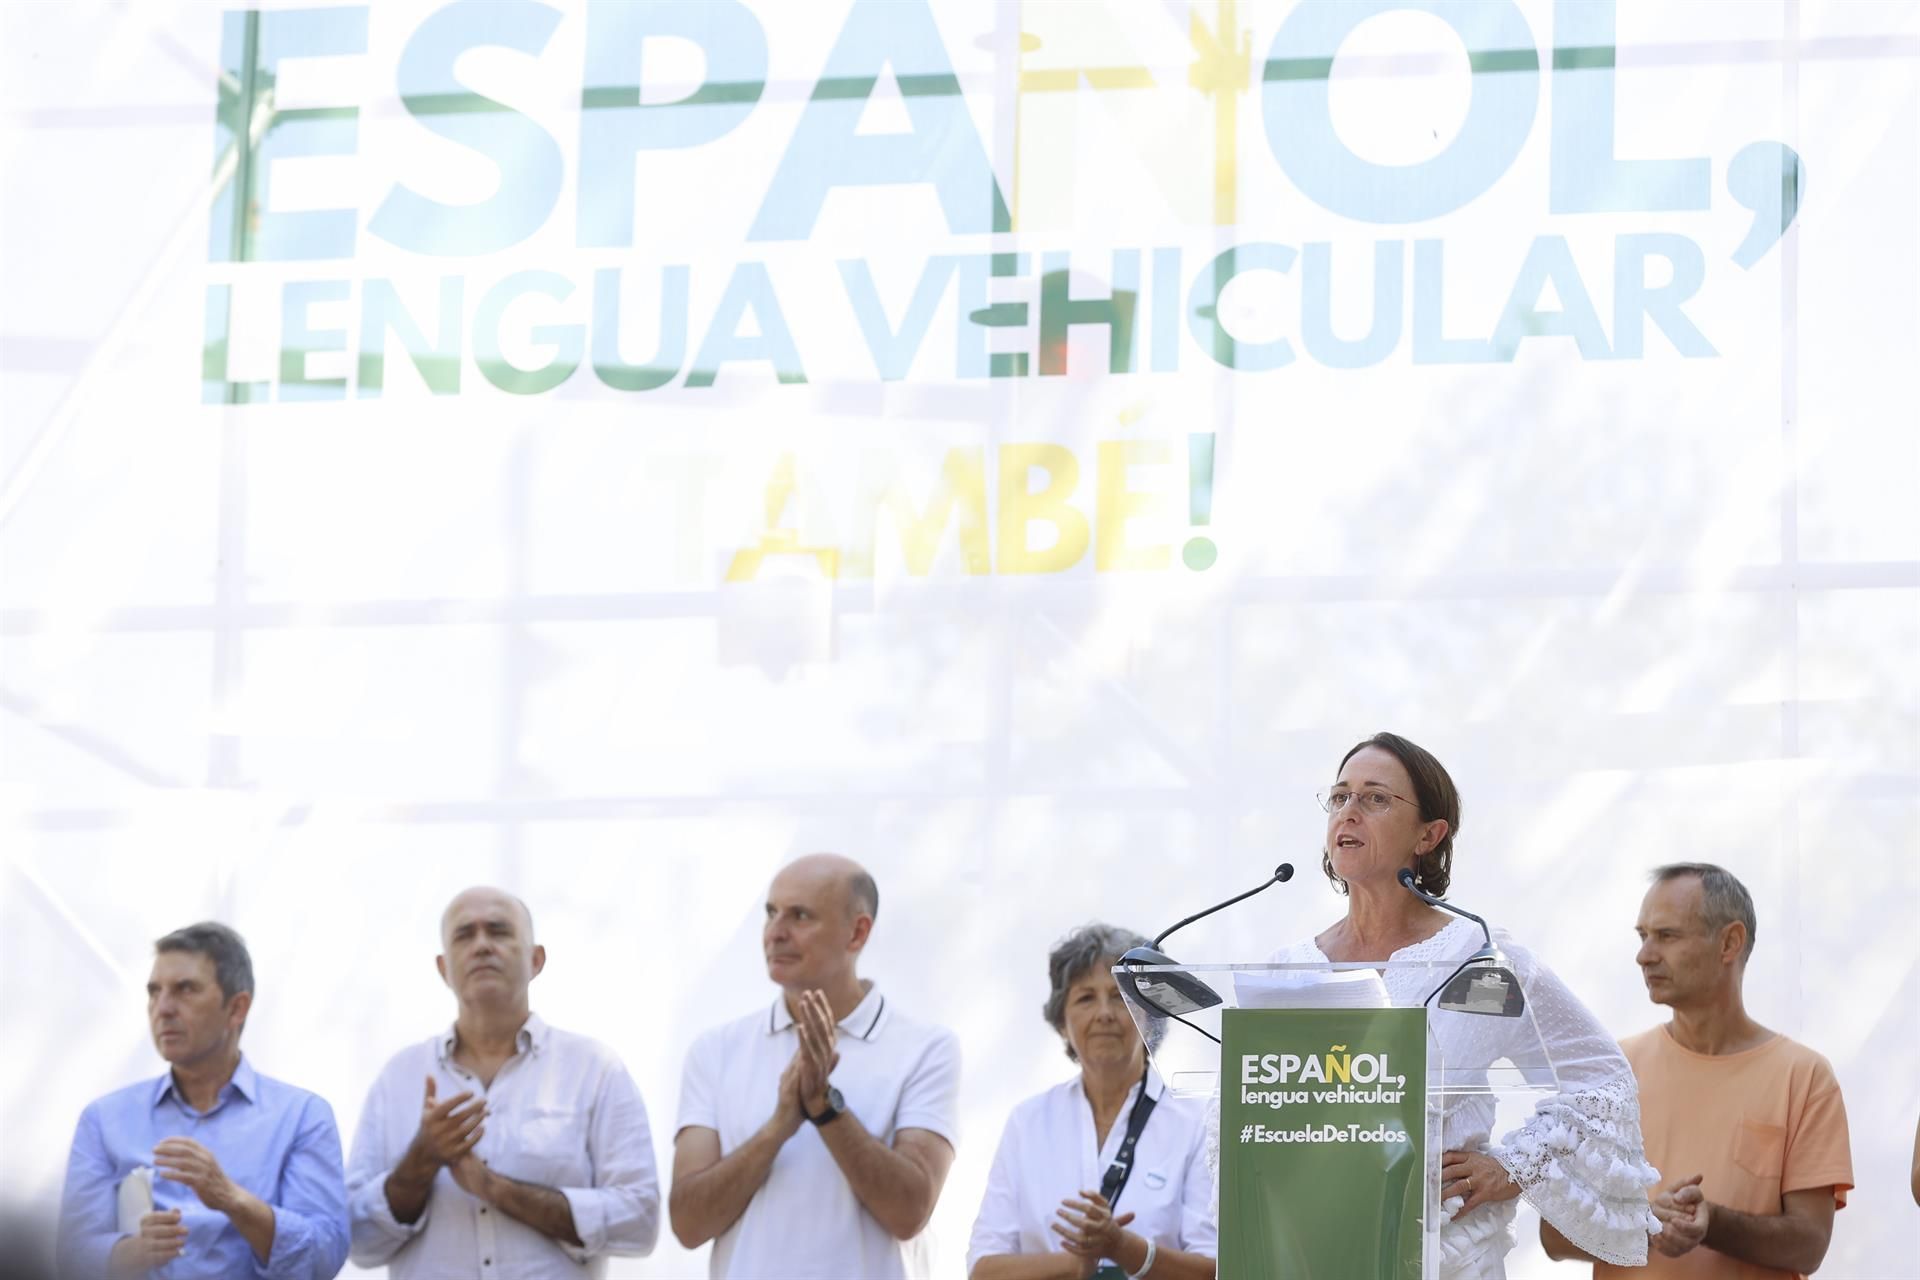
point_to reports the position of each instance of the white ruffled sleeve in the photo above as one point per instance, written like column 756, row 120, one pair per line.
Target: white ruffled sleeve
column 1579, row 1159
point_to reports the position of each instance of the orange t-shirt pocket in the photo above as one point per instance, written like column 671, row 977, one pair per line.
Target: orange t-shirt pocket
column 1760, row 1149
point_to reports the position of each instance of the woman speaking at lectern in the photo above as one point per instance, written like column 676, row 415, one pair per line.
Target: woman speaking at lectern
column 1578, row 1159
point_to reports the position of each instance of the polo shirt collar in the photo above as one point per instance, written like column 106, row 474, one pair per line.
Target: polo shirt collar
column 244, row 1082
column 866, row 1021
column 532, row 1037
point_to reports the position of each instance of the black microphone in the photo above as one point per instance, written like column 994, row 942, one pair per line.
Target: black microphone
column 1484, row 983
column 1406, row 878
column 1177, row 993
column 1281, row 874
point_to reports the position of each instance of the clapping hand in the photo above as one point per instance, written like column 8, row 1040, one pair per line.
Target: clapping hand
column 186, row 1161
column 1683, row 1212
column 449, row 1130
column 470, row 1174
column 1087, row 1227
column 817, row 1056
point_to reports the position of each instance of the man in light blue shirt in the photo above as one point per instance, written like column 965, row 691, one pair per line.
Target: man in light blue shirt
column 245, row 1171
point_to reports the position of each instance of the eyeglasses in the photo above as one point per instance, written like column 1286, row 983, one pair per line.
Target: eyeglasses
column 1372, row 800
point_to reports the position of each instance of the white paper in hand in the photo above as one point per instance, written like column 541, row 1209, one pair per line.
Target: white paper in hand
column 136, row 1199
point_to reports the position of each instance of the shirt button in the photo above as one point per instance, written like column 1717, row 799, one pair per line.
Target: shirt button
column 483, row 1211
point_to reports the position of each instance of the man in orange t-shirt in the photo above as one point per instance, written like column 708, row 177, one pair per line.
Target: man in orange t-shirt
column 1746, row 1126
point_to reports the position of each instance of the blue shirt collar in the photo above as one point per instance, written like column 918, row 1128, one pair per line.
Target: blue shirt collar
column 244, row 1082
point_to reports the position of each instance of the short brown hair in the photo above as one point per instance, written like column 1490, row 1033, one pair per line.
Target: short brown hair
column 1439, row 801
column 232, row 966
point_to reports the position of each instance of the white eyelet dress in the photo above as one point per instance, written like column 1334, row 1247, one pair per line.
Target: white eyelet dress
column 1578, row 1159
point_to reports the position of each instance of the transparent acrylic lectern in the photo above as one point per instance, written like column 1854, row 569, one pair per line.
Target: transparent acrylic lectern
column 1337, row 1087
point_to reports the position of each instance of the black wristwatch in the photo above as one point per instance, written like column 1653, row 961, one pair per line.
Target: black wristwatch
column 836, row 1106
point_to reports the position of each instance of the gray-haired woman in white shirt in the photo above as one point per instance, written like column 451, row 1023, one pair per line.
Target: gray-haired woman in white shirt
column 1104, row 1175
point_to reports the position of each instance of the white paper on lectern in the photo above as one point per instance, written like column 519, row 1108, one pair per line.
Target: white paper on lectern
column 136, row 1199
column 1311, row 989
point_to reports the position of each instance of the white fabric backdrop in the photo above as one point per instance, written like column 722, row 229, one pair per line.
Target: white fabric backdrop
column 311, row 666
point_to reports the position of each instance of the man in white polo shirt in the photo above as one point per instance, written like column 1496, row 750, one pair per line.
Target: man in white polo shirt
column 815, row 1135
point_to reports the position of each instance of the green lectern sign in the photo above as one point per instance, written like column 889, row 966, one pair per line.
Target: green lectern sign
column 1322, row 1143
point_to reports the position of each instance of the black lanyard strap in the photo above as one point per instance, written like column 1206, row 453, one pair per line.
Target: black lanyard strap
column 1121, row 1169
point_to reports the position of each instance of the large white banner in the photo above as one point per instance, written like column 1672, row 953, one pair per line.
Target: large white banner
column 606, row 450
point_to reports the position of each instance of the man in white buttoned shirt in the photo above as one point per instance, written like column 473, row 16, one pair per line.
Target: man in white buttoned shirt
column 814, row 1136
column 502, row 1146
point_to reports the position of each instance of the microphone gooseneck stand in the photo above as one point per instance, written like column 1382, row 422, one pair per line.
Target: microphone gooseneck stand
column 1198, row 992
